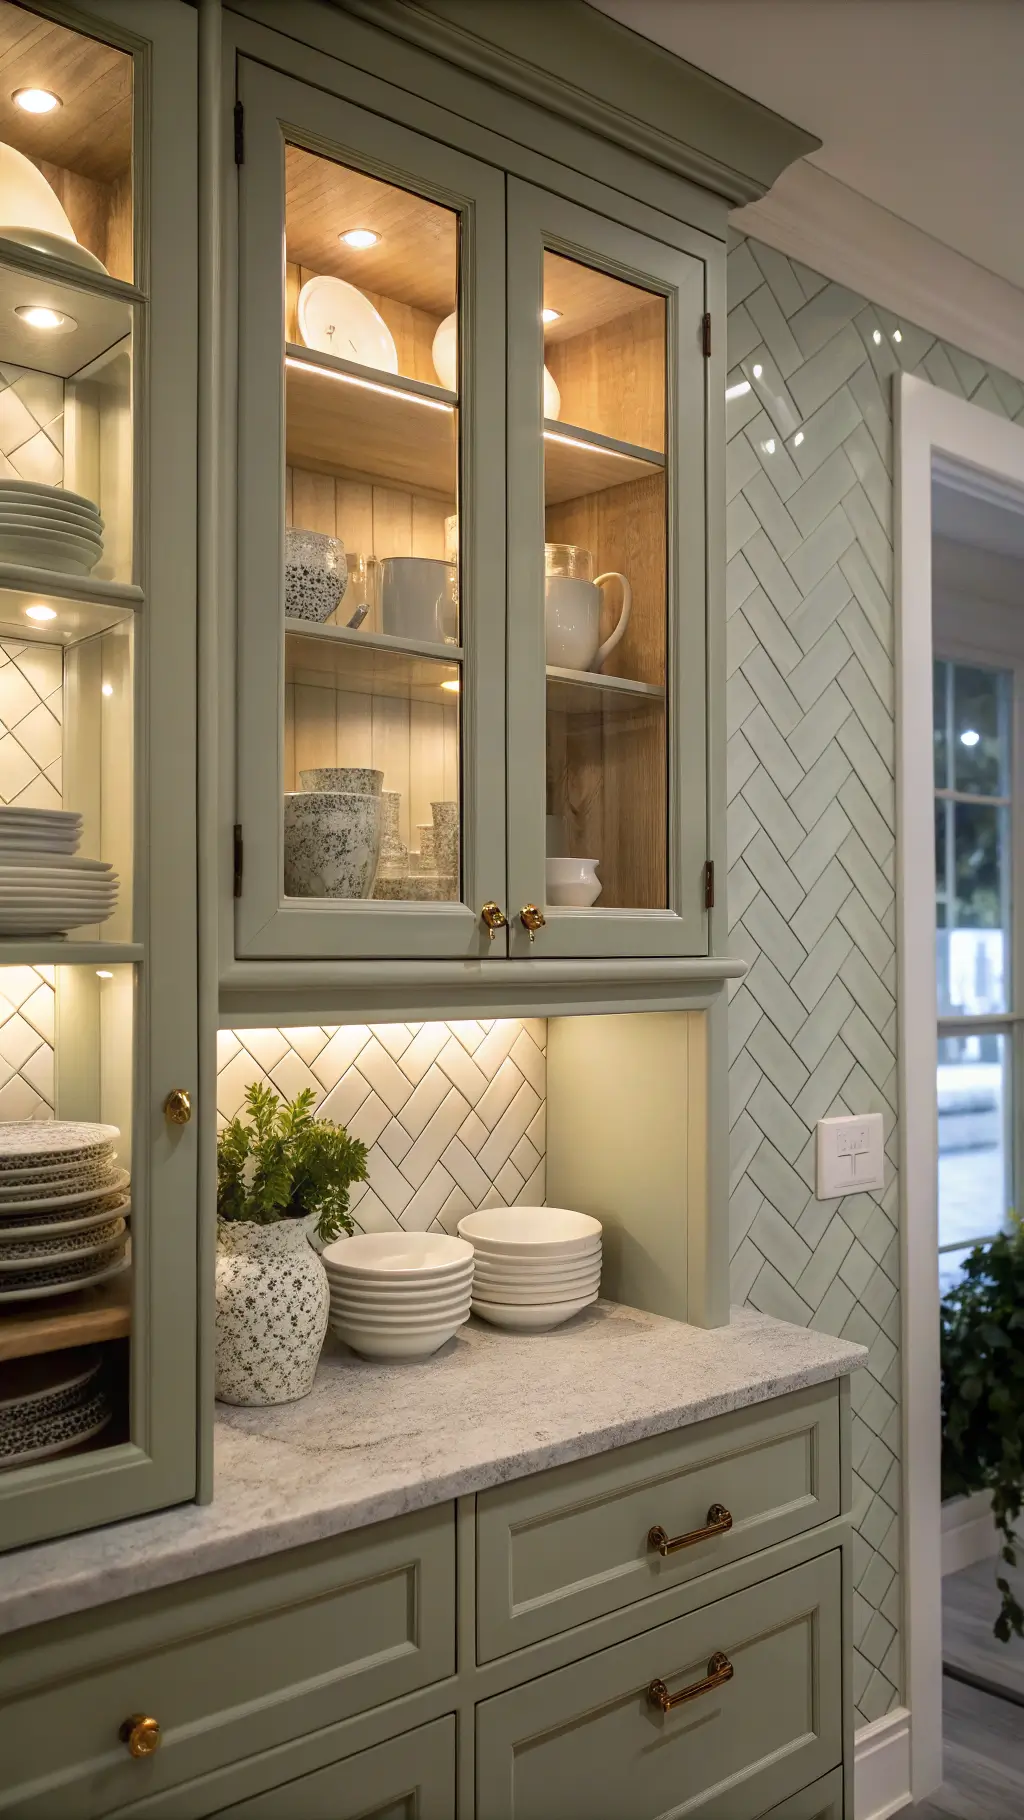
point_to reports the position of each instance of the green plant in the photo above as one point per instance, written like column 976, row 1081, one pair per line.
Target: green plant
column 280, row 1163
column 983, row 1394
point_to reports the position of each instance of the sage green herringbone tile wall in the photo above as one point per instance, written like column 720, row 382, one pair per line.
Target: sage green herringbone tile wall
column 811, row 818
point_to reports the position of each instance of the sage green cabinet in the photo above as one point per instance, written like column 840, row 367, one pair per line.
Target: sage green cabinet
column 411, row 1777
column 822, row 1801
column 761, row 1673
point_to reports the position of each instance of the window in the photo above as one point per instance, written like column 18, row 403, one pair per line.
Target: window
column 976, row 983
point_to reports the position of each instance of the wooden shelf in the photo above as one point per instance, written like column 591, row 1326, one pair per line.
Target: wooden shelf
column 84, row 606
column 348, row 419
column 585, row 692
column 369, row 663
column 101, row 1313
column 578, row 462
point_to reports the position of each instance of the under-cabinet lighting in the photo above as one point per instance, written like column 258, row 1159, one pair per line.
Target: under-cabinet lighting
column 452, row 685
column 360, row 238
column 739, row 390
column 577, row 442
column 36, row 100
column 40, row 613
column 40, row 316
column 368, row 385
column 106, row 688
column 549, row 315
column 798, row 439
column 104, row 973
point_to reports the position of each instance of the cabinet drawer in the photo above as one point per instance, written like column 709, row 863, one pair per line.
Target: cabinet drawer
column 568, row 1545
column 588, row 1739
column 822, row 1801
column 228, row 1664
column 411, row 1777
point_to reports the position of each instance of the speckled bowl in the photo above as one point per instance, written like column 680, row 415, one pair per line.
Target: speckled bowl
column 331, row 843
column 357, row 780
column 315, row 574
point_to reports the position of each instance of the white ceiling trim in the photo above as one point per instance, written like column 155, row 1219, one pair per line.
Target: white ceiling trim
column 829, row 227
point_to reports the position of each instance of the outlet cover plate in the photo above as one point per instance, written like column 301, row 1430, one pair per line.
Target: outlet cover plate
column 851, row 1155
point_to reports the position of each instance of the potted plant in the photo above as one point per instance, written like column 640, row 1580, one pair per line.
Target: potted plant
column 983, row 1395
column 282, row 1176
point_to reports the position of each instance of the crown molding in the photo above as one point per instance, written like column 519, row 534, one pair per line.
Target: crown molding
column 576, row 62
column 834, row 230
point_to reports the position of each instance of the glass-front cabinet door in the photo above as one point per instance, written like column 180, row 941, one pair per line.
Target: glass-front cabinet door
column 372, row 527
column 607, row 591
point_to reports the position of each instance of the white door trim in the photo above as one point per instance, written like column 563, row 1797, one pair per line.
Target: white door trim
column 881, row 1766
column 928, row 421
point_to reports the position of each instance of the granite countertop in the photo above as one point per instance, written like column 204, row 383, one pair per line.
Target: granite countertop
column 374, row 1441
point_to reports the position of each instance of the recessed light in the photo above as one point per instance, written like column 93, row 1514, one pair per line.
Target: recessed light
column 40, row 316
column 877, row 337
column 969, row 737
column 104, row 973
column 452, row 686
column 547, row 315
column 739, row 390
column 897, row 335
column 757, row 371
column 36, row 100
column 360, row 238
column 769, row 446
column 40, row 613
column 798, row 439
column 106, row 688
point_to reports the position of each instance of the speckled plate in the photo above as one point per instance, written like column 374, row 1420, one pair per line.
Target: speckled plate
column 66, row 1428
column 67, row 1281
column 46, row 1201
column 27, row 1141
column 39, row 1254
column 28, row 1383
column 49, row 1225
column 48, row 1172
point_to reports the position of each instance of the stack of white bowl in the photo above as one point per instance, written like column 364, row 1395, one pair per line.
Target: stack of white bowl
column 398, row 1295
column 535, row 1267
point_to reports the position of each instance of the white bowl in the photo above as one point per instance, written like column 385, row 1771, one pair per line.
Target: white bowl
column 408, row 1345
column 527, row 1317
column 572, row 883
column 398, row 1253
column 406, row 1322
column 416, row 1300
column 539, row 1296
column 513, row 1269
column 530, row 1231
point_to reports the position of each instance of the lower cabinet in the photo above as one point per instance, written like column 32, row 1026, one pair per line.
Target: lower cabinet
column 411, row 1777
column 750, row 1692
column 822, row 1801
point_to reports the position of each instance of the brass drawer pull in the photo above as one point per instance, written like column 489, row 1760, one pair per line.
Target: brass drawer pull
column 720, row 1670
column 718, row 1521
column 141, row 1735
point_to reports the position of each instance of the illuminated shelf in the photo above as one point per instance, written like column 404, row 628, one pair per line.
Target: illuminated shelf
column 369, row 663
column 50, row 951
column 343, row 418
column 578, row 462
column 584, row 691
column 103, row 1312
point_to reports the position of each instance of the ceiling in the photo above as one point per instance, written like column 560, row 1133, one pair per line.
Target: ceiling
column 917, row 102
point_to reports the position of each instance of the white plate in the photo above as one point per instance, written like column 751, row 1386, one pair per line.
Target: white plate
column 335, row 318
column 54, row 244
column 24, row 1142
column 39, row 489
column 530, row 1231
column 78, row 1245
column 69, row 1287
column 394, row 1346
column 531, row 1318
column 71, row 558
column 63, row 865
column 41, row 902
column 24, row 519
column 41, row 1229
column 398, row 1253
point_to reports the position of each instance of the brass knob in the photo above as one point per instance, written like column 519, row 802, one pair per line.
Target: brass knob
column 532, row 919
column 141, row 1735
column 178, row 1106
column 494, row 918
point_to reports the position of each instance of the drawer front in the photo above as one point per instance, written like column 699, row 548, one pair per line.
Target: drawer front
column 411, row 1777
column 588, row 1739
column 228, row 1664
column 822, row 1801
column 569, row 1545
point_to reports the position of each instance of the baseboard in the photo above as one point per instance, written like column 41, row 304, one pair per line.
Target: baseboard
column 968, row 1532
column 881, row 1766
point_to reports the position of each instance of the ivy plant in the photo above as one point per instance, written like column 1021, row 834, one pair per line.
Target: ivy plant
column 277, row 1162
column 983, row 1395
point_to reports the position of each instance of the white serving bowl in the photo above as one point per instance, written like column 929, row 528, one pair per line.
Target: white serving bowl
column 412, row 1299
column 530, row 1317
column 373, row 1318
column 418, row 1344
column 572, row 883
column 398, row 1254
column 527, row 1270
column 543, row 1232
column 543, row 1294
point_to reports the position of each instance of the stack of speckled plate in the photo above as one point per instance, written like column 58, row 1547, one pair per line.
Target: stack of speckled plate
column 50, row 1404
column 64, row 1204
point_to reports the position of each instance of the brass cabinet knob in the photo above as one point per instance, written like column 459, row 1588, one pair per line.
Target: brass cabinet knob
column 493, row 917
column 178, row 1106
column 532, row 919
column 141, row 1735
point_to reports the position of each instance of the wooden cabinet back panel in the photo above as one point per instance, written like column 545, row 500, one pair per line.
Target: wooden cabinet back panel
column 588, row 1740
column 565, row 1546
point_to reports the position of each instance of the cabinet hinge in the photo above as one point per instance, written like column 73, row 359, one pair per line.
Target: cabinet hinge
column 709, row 884
column 239, row 133
column 238, row 859
column 705, row 335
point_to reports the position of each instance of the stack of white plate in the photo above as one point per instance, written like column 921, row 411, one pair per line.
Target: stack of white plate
column 45, row 527
column 45, row 888
column 398, row 1295
column 49, row 1404
column 534, row 1267
column 63, row 1208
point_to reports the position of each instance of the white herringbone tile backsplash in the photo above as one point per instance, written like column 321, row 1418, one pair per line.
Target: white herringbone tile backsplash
column 453, row 1114
column 811, row 839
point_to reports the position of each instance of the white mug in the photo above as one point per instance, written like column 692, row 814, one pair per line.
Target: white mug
column 572, row 620
column 419, row 598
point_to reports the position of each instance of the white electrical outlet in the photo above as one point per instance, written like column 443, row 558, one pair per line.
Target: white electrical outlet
column 851, row 1155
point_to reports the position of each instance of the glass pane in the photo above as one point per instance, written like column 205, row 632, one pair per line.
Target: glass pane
column 66, row 157
column 973, row 947
column 940, row 718
column 372, row 609
column 975, row 1141
column 605, row 590
column 981, row 730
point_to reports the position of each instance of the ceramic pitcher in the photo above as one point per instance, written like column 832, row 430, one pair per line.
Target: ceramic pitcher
column 572, row 608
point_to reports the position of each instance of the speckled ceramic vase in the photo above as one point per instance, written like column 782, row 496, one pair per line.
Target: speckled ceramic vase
column 331, row 843
column 273, row 1300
